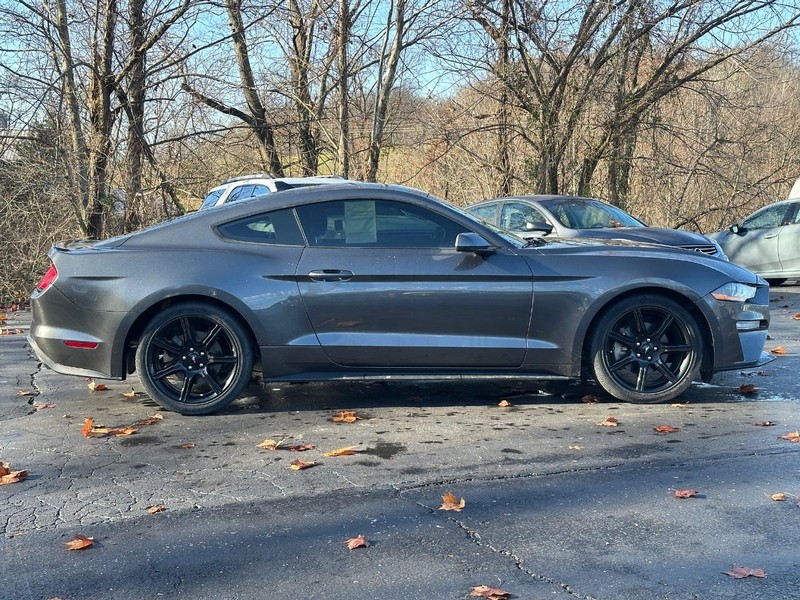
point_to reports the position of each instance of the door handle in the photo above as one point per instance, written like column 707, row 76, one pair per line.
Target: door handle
column 770, row 236
column 330, row 275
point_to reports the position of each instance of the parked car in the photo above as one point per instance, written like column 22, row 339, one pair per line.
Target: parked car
column 767, row 242
column 380, row 282
column 574, row 216
column 248, row 186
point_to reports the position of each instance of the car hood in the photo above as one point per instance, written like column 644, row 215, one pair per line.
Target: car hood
column 652, row 235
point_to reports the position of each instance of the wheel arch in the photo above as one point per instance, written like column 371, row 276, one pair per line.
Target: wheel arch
column 139, row 324
column 687, row 303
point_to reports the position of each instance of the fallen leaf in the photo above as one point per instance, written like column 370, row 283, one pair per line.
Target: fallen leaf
column 87, row 426
column 738, row 572
column 346, row 416
column 450, row 502
column 156, row 508
column 269, row 445
column 3, row 317
column 150, row 420
column 188, row 445
column 79, row 542
column 92, row 430
column 346, row 451
column 680, row 405
column 504, row 403
column 97, row 387
column 665, row 429
column 779, row 350
column 44, row 406
column 131, row 394
column 484, row 591
column 779, row 497
column 589, row 399
column 796, row 317
column 747, row 388
column 299, row 465
column 576, row 447
column 298, row 447
column 764, row 424
column 792, row 437
column 7, row 476
column 683, row 494
column 27, row 393
column 609, row 422
column 357, row 542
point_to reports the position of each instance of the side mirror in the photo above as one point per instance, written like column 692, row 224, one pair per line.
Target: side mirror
column 737, row 229
column 472, row 242
column 539, row 226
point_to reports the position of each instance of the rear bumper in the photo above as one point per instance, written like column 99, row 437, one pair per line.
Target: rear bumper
column 64, row 368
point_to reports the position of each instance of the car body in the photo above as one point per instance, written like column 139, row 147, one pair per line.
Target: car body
column 249, row 186
column 767, row 242
column 575, row 216
column 385, row 282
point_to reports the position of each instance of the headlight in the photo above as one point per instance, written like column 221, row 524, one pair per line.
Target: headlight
column 734, row 292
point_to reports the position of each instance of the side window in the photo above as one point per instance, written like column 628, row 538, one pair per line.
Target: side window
column 487, row 212
column 211, row 199
column 259, row 190
column 516, row 214
column 239, row 193
column 376, row 223
column 772, row 216
column 276, row 227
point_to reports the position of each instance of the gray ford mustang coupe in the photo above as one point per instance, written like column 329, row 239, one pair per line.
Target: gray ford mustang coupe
column 366, row 281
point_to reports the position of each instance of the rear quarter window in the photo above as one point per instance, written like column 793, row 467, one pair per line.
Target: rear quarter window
column 275, row 227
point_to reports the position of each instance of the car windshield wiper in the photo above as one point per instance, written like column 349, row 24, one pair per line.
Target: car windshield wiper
column 535, row 241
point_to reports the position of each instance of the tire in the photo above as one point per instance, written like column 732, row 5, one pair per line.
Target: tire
column 776, row 282
column 194, row 358
column 646, row 349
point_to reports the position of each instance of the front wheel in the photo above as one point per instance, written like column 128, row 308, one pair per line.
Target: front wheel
column 646, row 349
column 194, row 358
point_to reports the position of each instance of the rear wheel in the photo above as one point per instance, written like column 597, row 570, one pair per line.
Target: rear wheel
column 646, row 349
column 194, row 358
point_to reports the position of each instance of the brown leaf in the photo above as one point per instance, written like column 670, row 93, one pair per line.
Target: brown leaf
column 97, row 387
column 79, row 542
column 44, row 406
column 269, row 445
column 346, row 451
column 683, row 494
column 88, row 424
column 92, row 430
column 156, row 508
column 589, row 399
column 346, row 416
column 131, row 394
column 27, row 393
column 504, row 403
column 796, row 317
column 299, row 465
column 7, row 476
column 666, row 429
column 764, row 424
column 792, row 437
column 738, row 572
column 779, row 350
column 680, row 404
column 778, row 497
column 450, row 502
column 484, row 591
column 609, row 422
column 188, row 445
column 747, row 388
column 357, row 542
column 150, row 420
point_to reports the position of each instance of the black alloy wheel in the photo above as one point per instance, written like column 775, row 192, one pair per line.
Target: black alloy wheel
column 646, row 349
column 194, row 358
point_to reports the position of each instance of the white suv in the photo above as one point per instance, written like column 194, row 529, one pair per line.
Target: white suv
column 247, row 186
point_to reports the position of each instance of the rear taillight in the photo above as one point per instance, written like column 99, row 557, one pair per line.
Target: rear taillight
column 48, row 279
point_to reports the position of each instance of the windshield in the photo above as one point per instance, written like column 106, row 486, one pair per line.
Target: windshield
column 589, row 214
column 508, row 236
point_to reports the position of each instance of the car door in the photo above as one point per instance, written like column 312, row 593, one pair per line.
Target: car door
column 755, row 246
column 384, row 286
column 789, row 242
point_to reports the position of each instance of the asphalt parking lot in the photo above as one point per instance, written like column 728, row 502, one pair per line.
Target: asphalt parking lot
column 557, row 505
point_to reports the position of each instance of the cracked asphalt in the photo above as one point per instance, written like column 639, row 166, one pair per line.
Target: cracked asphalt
column 557, row 506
